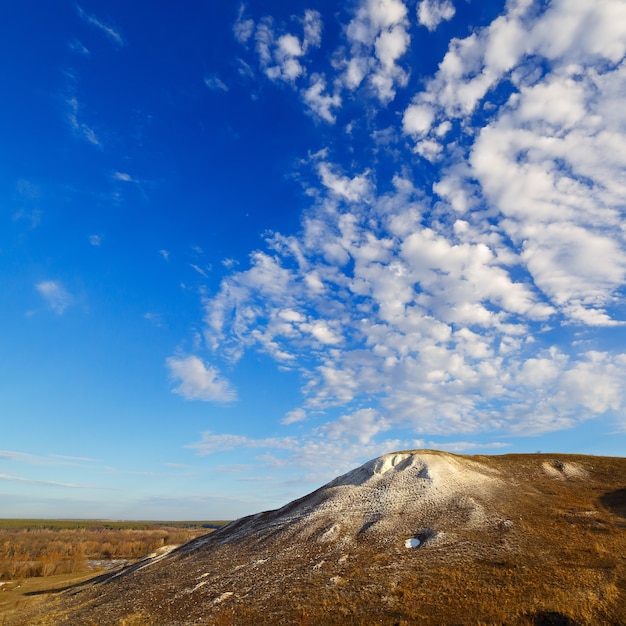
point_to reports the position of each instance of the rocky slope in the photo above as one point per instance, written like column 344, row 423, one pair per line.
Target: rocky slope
column 418, row 537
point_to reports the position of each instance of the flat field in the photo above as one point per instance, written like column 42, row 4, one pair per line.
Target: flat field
column 40, row 556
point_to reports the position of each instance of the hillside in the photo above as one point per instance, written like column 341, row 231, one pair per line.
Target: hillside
column 419, row 537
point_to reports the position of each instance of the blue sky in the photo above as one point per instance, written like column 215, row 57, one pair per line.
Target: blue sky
column 247, row 247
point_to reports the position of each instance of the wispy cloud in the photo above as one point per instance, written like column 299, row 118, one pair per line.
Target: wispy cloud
column 79, row 127
column 109, row 31
column 199, row 270
column 467, row 446
column 43, row 483
column 72, row 459
column 77, row 46
column 230, row 263
column 55, row 294
column 28, row 196
column 33, row 459
column 155, row 318
column 215, row 83
column 243, row 28
column 342, row 448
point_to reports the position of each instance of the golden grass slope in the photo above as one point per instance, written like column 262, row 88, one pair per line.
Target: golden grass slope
column 512, row 539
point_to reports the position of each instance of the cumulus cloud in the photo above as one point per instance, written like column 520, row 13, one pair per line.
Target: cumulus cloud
column 431, row 13
column 354, row 189
column 456, row 306
column 55, row 294
column 320, row 103
column 378, row 37
column 541, row 159
column 282, row 54
column 282, row 57
column 429, row 319
column 199, row 381
column 362, row 425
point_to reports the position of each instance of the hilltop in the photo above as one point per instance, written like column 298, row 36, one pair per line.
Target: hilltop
column 416, row 537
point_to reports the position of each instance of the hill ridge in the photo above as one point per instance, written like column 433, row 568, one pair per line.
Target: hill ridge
column 423, row 536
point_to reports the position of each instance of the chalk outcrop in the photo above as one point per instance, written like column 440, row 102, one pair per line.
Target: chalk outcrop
column 362, row 542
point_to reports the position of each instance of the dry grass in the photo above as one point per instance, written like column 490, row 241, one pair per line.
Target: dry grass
column 560, row 559
column 53, row 547
column 40, row 558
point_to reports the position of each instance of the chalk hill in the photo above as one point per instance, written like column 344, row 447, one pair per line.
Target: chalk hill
column 418, row 537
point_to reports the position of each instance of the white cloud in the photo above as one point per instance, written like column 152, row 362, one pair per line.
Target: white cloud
column 123, row 177
column 341, row 453
column 577, row 30
column 211, row 443
column 453, row 309
column 557, row 189
column 431, row 13
column 95, row 240
column 55, row 294
column 293, row 417
column 427, row 319
column 312, row 27
column 318, row 102
column 321, row 331
column 378, row 37
column 354, row 189
column 418, row 119
column 230, row 263
column 281, row 54
column 199, row 381
column 542, row 159
column 243, row 27
column 362, row 425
